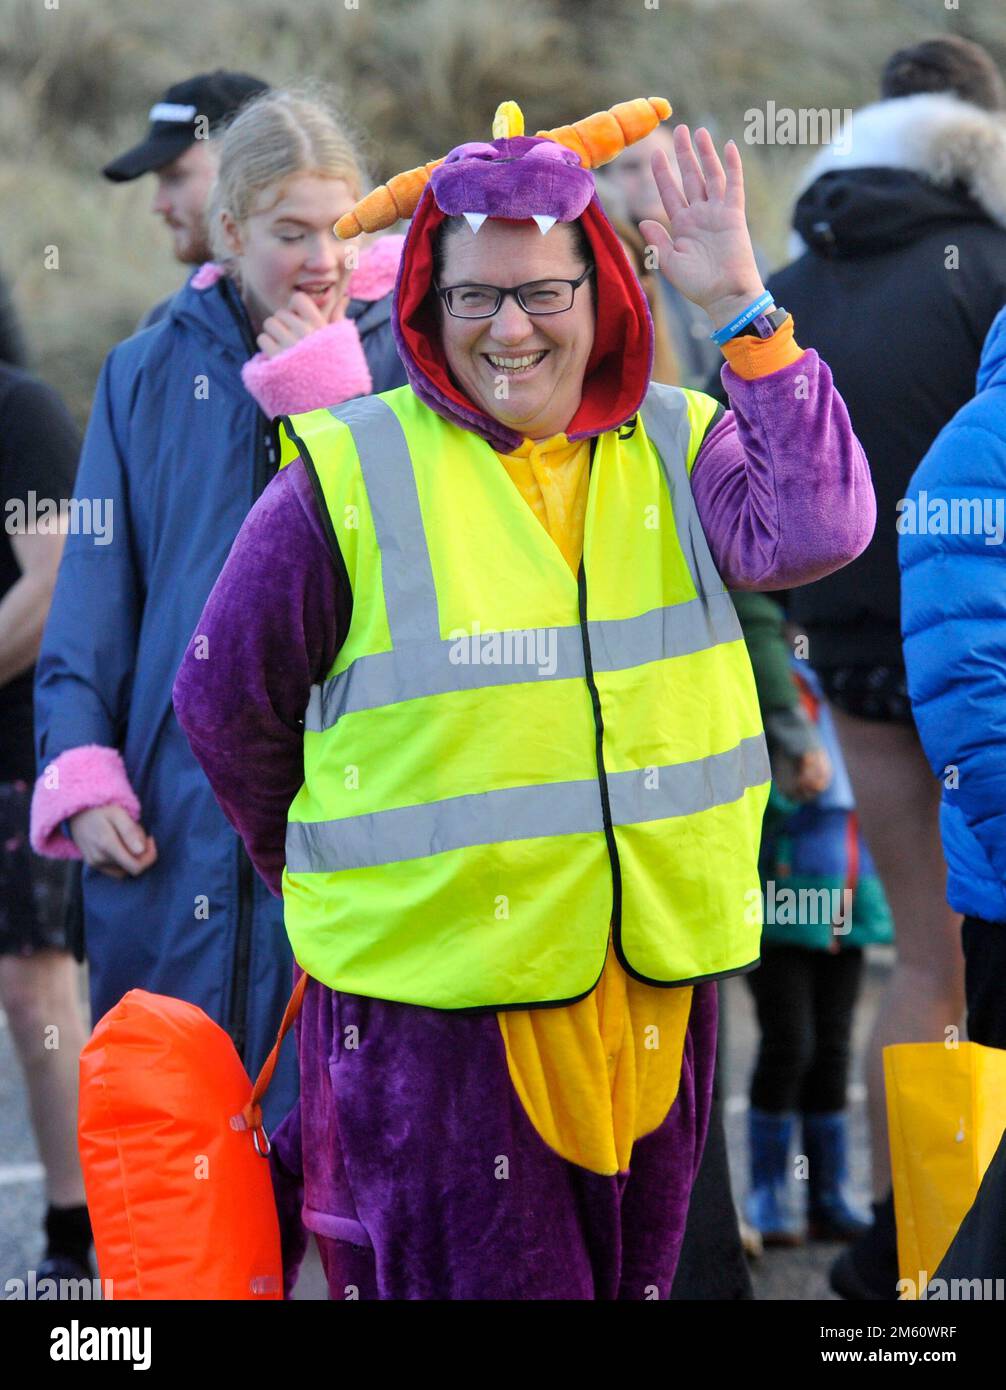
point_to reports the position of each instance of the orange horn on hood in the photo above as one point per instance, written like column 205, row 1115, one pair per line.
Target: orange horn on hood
column 601, row 137
column 399, row 197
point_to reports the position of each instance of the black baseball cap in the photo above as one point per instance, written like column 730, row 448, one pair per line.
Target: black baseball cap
column 212, row 99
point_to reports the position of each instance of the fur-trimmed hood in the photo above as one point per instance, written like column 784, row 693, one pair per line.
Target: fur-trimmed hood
column 931, row 149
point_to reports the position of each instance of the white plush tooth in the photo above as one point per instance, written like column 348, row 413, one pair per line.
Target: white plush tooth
column 475, row 220
column 544, row 222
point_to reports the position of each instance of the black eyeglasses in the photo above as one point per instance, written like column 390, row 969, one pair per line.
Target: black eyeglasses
column 535, row 298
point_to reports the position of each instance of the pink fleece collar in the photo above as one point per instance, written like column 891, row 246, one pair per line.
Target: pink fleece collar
column 207, row 275
column 372, row 279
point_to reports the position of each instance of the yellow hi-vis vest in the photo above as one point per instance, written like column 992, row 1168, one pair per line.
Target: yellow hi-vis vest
column 503, row 760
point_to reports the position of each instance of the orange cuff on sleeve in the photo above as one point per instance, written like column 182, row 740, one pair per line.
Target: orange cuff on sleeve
column 753, row 357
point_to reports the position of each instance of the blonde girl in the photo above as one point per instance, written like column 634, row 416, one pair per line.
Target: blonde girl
column 179, row 447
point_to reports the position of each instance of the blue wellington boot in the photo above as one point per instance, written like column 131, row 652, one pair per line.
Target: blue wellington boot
column 765, row 1206
column 826, row 1140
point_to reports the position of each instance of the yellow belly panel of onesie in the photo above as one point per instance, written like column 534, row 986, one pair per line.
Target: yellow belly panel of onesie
column 596, row 1075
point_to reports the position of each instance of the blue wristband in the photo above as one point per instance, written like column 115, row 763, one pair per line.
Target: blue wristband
column 723, row 335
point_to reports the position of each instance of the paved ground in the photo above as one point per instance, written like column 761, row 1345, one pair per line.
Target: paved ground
column 801, row 1273
column 790, row 1274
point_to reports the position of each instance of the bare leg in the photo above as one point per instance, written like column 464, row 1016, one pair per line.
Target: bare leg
column 898, row 801
column 39, row 995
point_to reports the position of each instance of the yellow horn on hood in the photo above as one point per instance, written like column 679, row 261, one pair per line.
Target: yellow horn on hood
column 399, row 197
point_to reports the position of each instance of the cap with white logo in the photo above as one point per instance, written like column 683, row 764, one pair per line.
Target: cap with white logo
column 189, row 111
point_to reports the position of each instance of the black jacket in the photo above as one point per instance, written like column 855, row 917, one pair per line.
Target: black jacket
column 900, row 318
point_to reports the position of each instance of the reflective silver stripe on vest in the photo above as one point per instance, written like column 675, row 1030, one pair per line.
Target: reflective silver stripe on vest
column 409, row 593
column 525, row 813
column 681, row 628
column 421, row 664
column 417, row 669
column 665, row 417
column 461, row 822
column 685, row 788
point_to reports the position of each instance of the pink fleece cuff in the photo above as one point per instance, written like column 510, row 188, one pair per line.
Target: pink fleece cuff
column 325, row 368
column 78, row 780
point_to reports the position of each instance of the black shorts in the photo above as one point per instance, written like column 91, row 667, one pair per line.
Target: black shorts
column 33, row 890
column 984, row 967
column 869, row 692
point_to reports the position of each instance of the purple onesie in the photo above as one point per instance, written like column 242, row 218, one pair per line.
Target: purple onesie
column 778, row 506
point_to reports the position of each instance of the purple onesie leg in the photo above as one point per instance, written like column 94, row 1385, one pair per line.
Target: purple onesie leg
column 424, row 1178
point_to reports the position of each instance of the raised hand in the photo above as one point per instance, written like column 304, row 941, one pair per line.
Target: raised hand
column 707, row 256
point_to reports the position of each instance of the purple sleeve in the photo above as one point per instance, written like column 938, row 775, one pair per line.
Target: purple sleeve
column 781, row 483
column 271, row 628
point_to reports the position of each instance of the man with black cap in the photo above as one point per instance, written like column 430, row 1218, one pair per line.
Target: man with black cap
column 181, row 151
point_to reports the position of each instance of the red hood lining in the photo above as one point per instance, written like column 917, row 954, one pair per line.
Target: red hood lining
column 618, row 369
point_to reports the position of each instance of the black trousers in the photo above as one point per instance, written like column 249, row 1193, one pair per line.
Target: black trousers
column 985, row 980
column 712, row 1265
column 805, row 1001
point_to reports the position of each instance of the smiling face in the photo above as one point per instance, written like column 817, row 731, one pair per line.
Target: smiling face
column 287, row 244
column 525, row 371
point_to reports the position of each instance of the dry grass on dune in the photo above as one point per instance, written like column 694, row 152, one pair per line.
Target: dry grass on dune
column 413, row 76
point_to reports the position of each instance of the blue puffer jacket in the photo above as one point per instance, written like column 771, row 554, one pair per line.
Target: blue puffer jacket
column 180, row 450
column 954, row 624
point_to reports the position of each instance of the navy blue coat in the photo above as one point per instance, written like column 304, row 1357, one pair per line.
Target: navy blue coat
column 954, row 625
column 180, row 450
